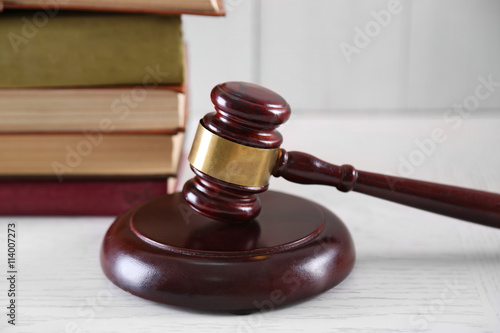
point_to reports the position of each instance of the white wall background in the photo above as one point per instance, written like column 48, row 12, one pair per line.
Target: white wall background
column 428, row 56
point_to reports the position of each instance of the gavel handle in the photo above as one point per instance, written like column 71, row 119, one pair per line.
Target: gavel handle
column 465, row 204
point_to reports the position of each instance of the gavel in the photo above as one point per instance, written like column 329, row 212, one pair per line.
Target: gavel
column 237, row 148
column 164, row 251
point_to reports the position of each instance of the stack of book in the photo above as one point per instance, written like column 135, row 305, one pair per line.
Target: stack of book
column 92, row 103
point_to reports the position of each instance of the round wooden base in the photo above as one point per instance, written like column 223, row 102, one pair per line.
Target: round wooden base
column 165, row 252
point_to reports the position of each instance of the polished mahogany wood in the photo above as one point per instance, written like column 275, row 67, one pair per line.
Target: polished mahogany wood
column 248, row 114
column 165, row 252
column 228, row 202
column 466, row 204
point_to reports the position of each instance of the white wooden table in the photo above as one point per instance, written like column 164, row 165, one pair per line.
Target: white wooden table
column 415, row 271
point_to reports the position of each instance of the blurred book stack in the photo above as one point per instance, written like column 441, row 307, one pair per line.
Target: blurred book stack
column 92, row 104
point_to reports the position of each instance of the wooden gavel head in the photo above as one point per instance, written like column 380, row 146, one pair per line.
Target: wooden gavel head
column 235, row 151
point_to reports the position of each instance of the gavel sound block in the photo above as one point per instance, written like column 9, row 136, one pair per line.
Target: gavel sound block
column 225, row 243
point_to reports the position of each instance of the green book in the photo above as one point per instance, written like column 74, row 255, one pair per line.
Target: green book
column 61, row 49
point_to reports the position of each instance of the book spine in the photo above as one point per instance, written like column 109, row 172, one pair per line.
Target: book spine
column 101, row 55
column 79, row 197
column 218, row 10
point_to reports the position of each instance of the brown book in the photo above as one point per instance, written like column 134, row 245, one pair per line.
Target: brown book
column 171, row 7
column 130, row 109
column 90, row 153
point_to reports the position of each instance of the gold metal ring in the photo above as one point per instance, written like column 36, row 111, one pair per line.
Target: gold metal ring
column 230, row 161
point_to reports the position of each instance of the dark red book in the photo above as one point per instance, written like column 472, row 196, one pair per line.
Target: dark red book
column 78, row 197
